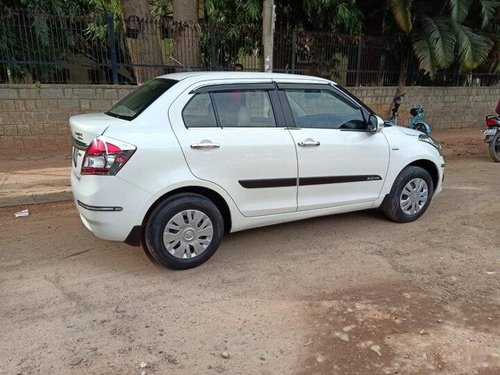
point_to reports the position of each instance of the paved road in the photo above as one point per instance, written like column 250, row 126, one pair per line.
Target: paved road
column 346, row 294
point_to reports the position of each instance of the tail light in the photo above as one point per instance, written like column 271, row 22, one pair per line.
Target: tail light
column 106, row 158
column 492, row 120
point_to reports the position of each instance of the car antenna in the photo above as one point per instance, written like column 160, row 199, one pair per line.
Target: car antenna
column 186, row 68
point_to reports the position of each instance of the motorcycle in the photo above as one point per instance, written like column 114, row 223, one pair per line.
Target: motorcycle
column 417, row 115
column 492, row 135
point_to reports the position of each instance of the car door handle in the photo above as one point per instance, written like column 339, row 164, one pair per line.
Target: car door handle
column 205, row 145
column 309, row 142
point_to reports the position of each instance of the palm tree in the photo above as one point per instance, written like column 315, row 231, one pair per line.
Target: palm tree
column 440, row 32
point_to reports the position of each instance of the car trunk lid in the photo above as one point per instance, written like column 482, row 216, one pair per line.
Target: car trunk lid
column 84, row 128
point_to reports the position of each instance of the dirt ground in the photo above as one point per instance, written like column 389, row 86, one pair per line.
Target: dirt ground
column 345, row 294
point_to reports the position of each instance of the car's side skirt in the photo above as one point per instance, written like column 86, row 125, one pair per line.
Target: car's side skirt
column 305, row 181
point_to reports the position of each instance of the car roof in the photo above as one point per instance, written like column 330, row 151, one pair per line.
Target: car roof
column 243, row 75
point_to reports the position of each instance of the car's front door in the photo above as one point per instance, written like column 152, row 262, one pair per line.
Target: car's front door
column 339, row 161
column 236, row 138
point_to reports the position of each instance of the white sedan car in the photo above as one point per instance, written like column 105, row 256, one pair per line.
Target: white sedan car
column 187, row 157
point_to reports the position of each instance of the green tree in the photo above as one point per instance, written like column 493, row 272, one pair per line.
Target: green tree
column 342, row 16
column 443, row 33
column 27, row 33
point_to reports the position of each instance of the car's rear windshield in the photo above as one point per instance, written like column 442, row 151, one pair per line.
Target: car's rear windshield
column 141, row 98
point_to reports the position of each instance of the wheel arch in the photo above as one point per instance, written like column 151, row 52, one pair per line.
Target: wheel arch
column 213, row 196
column 430, row 167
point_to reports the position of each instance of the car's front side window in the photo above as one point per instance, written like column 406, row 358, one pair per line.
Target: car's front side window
column 316, row 108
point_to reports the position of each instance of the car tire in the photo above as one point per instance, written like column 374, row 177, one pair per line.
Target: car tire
column 184, row 231
column 410, row 195
column 494, row 147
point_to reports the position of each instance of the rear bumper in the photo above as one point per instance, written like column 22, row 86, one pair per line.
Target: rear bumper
column 109, row 207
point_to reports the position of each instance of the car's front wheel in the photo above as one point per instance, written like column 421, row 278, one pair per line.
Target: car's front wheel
column 410, row 195
column 184, row 231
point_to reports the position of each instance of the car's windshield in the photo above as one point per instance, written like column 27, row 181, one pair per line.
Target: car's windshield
column 141, row 98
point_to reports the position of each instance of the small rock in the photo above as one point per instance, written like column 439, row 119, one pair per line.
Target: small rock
column 75, row 361
column 143, row 365
column 422, row 332
column 171, row 359
column 365, row 344
column 376, row 349
column 143, row 372
column 407, row 295
column 349, row 310
column 262, row 358
column 225, row 355
column 348, row 328
column 319, row 358
column 342, row 336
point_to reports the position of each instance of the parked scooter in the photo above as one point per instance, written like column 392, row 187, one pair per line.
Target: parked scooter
column 417, row 115
column 492, row 135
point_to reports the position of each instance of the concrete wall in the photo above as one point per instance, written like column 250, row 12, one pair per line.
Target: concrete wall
column 35, row 117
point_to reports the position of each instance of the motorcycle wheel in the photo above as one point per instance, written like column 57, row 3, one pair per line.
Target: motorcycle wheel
column 494, row 147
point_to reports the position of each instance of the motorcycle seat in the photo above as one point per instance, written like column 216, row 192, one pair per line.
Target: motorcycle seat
column 415, row 111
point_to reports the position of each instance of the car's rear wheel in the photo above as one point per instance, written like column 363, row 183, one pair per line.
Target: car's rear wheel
column 410, row 195
column 184, row 231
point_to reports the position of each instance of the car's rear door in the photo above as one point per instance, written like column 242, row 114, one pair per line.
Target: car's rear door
column 235, row 136
column 339, row 161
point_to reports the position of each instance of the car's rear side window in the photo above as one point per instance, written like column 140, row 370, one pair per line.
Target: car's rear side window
column 199, row 112
column 141, row 98
column 241, row 108
column 244, row 108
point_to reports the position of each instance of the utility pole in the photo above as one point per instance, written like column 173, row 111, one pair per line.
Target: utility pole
column 268, row 19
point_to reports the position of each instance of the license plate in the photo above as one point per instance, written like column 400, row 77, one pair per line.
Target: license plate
column 490, row 131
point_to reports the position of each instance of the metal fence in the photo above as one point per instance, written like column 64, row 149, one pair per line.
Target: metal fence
column 109, row 49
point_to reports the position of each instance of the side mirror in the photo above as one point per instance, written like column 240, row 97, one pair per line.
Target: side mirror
column 375, row 124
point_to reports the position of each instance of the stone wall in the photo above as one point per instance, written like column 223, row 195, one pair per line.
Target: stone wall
column 35, row 117
column 447, row 107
